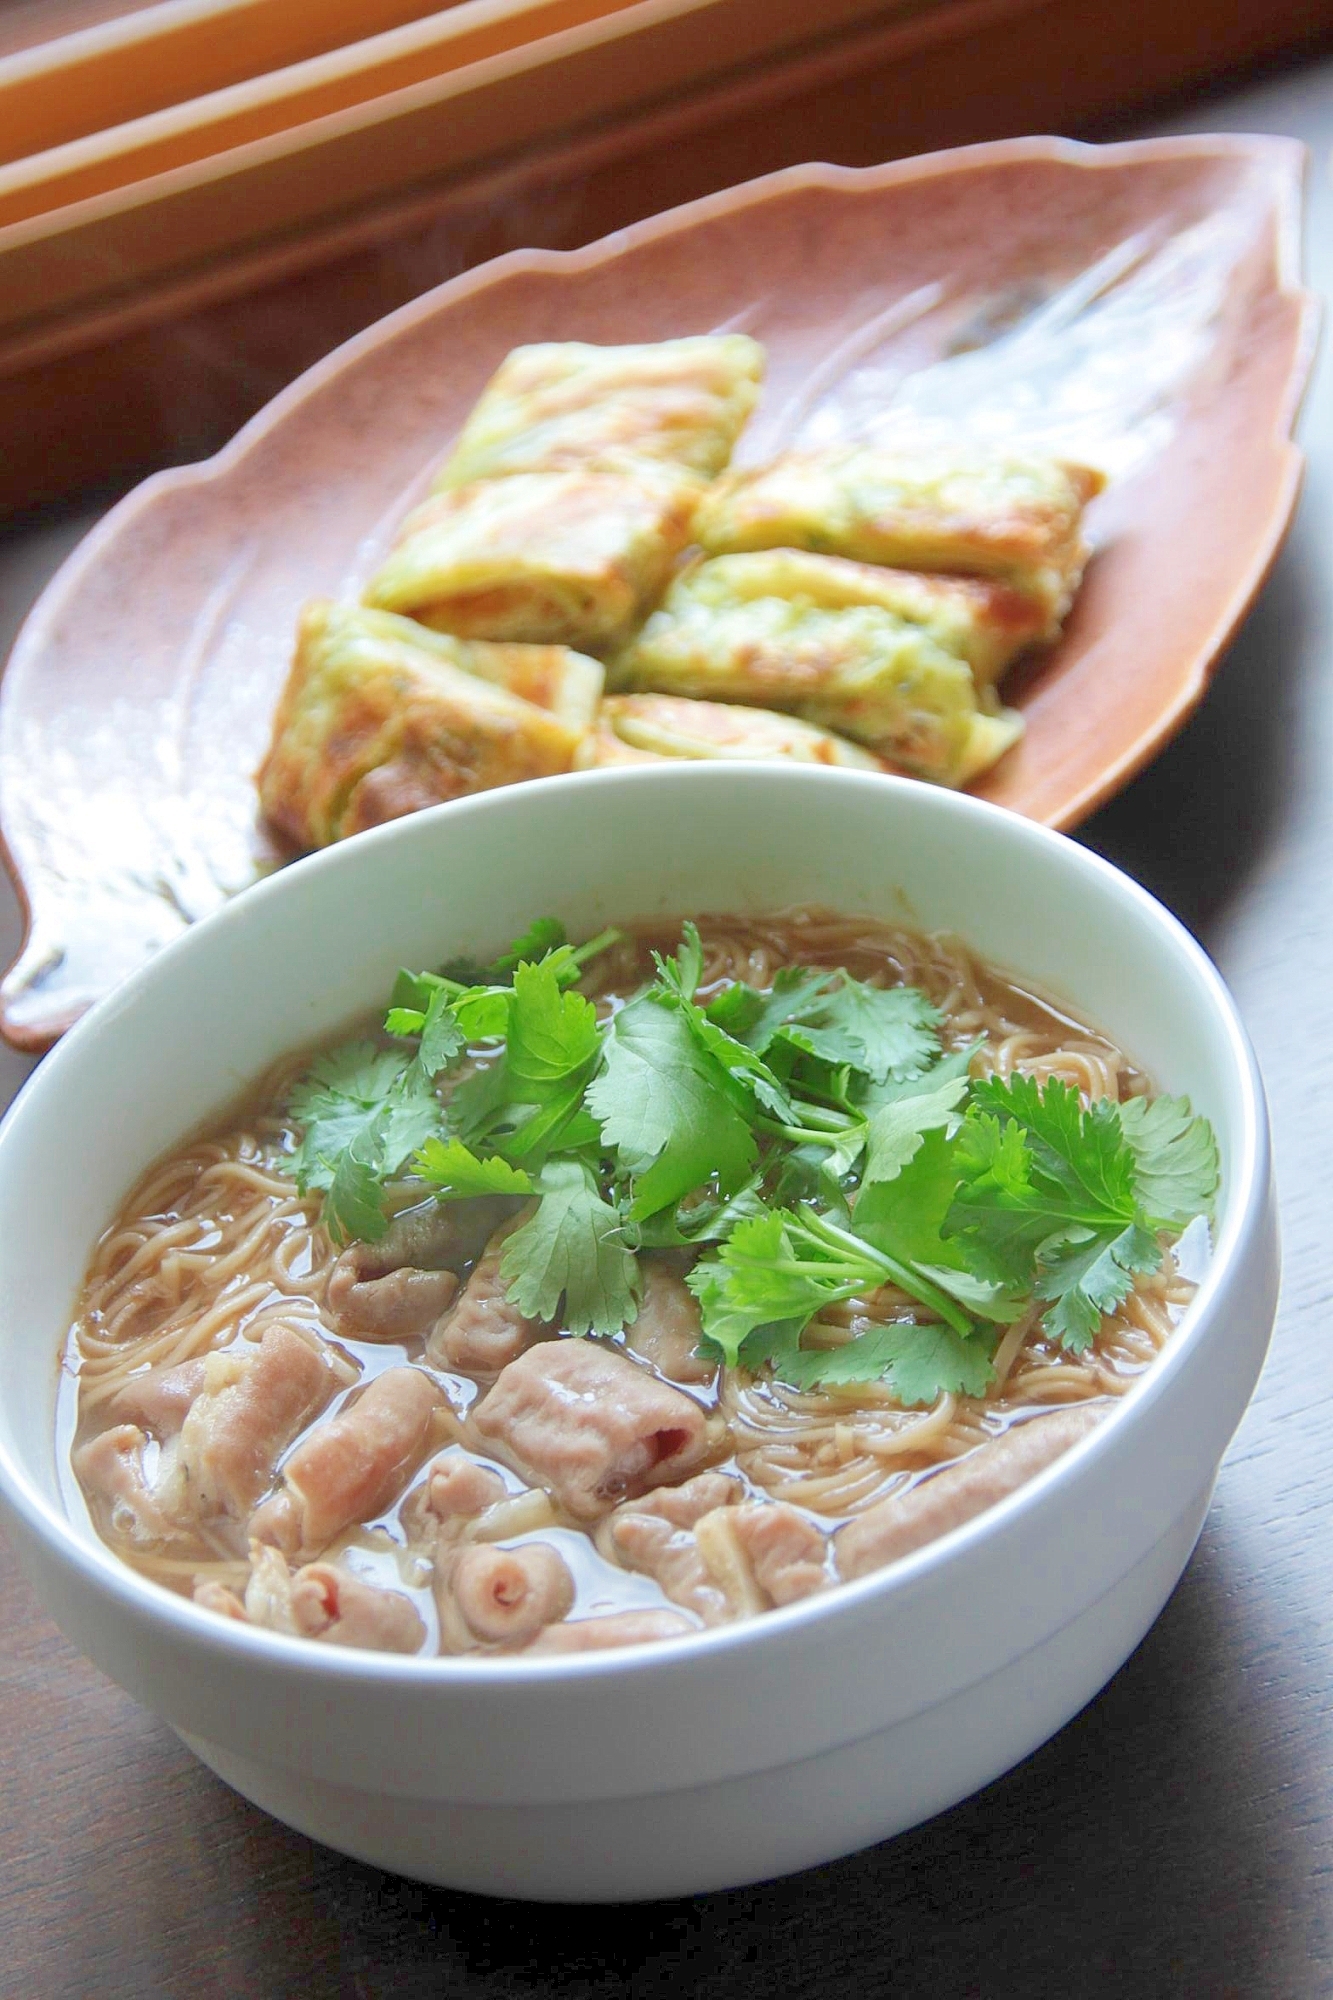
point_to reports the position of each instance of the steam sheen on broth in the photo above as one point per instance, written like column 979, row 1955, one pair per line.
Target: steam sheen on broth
column 374, row 1446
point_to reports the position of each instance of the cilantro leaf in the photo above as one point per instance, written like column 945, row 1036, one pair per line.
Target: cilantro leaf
column 1175, row 1158
column 1082, row 1151
column 918, row 1105
column 677, row 980
column 552, row 1033
column 706, row 1221
column 543, row 935
column 664, row 1109
column 572, row 1248
column 458, row 1173
column 919, row 1362
column 997, row 1210
column 446, row 1015
column 353, row 1205
column 779, row 1266
column 729, row 1327
column 880, row 1030
column 543, row 942
column 479, row 1103
column 682, row 973
column 410, row 1114
column 759, row 1277
column 442, row 1039
column 755, row 1017
column 559, row 1125
column 530, row 1102
column 883, row 1030
column 412, row 992
column 1049, row 1192
column 365, row 1112
column 905, row 1218
column 1091, row 1274
column 333, row 1101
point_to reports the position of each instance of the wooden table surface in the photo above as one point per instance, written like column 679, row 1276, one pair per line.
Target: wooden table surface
column 1175, row 1839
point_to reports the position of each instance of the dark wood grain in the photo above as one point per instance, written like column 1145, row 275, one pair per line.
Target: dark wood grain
column 1175, row 1839
column 164, row 373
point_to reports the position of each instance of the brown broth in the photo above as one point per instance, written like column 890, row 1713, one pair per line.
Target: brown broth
column 216, row 1239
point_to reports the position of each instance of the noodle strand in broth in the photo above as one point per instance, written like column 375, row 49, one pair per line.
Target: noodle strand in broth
column 217, row 1259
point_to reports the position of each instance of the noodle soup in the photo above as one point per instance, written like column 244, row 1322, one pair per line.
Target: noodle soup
column 629, row 1289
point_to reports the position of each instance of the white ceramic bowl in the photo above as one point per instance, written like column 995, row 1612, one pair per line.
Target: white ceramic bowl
column 745, row 1752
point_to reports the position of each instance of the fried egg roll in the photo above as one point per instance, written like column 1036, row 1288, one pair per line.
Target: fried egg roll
column 380, row 717
column 858, row 669
column 563, row 558
column 570, row 404
column 980, row 620
column 974, row 513
column 645, row 728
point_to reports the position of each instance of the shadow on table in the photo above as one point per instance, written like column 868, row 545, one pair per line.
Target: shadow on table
column 1134, row 1853
column 1217, row 805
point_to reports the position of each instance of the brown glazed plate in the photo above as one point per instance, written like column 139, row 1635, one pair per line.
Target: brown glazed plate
column 1134, row 305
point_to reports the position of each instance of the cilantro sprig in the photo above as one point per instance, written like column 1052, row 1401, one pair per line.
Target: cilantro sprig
column 814, row 1143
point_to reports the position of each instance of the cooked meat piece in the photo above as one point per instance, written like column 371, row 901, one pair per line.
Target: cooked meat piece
column 386, row 1303
column 268, row 1593
column 482, row 1332
column 111, row 1467
column 907, row 1521
column 526, row 1512
column 671, row 1556
column 249, row 1410
column 727, row 1562
column 322, row 1601
column 591, row 1425
column 330, row 1604
column 455, row 1489
column 439, row 1235
column 507, row 1595
column 350, row 1468
column 684, row 1506
column 157, row 1399
column 215, row 1597
column 653, row 1535
column 787, row 1553
column 621, row 1628
column 668, row 1328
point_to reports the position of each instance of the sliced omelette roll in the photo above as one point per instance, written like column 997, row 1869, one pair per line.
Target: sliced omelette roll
column 976, row 513
column 568, row 403
column 980, row 620
column 548, row 558
column 857, row 669
column 379, row 718
column 646, row 728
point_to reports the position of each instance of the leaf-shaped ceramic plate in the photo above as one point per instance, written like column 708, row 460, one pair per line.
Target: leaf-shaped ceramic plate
column 1135, row 305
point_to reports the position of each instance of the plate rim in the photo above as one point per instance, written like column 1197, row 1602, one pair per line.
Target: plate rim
column 1285, row 159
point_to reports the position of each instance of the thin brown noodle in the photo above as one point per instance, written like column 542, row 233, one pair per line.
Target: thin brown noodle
column 218, row 1236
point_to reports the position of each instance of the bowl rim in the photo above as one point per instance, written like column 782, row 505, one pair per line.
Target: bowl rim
column 72, row 1547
